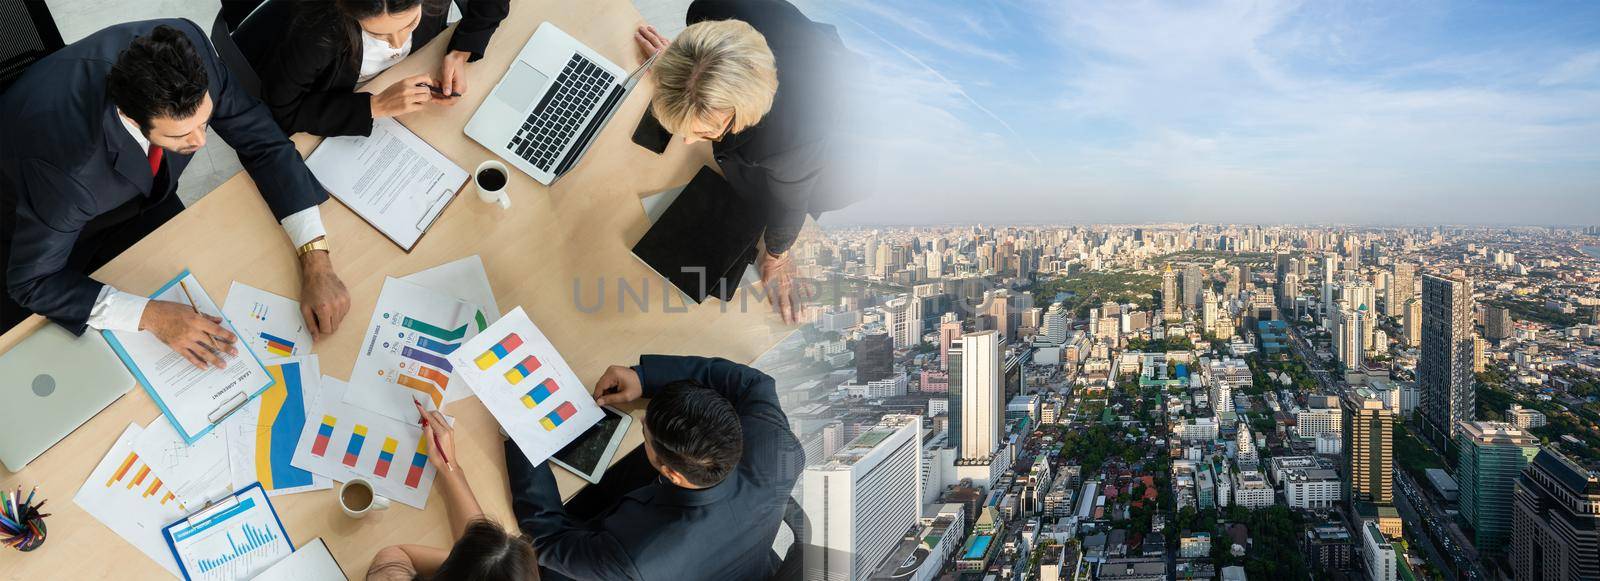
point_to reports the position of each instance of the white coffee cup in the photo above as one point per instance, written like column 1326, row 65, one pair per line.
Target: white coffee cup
column 496, row 195
column 376, row 504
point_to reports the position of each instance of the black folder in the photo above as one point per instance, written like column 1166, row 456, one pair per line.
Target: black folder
column 705, row 240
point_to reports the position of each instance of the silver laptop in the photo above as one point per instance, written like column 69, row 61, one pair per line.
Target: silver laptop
column 551, row 104
column 51, row 383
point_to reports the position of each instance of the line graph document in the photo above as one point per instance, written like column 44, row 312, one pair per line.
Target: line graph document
column 392, row 179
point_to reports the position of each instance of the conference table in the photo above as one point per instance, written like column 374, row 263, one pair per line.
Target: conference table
column 561, row 252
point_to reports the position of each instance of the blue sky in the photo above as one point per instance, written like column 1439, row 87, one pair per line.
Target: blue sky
column 1329, row 112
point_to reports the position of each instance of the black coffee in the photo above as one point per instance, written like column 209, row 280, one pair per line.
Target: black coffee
column 491, row 179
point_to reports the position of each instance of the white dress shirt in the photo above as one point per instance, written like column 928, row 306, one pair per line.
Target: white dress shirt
column 120, row 311
column 377, row 56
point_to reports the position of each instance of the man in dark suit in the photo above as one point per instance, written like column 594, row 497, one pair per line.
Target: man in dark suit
column 703, row 500
column 93, row 140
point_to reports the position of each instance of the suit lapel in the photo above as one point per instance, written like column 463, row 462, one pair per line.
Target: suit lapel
column 132, row 164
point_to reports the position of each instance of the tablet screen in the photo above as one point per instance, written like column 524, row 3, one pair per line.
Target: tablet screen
column 584, row 454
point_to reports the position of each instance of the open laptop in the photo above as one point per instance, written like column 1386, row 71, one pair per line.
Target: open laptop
column 53, row 383
column 551, row 104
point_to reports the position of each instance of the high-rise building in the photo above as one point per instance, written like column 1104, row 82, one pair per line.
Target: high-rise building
column 1490, row 456
column 1055, row 324
column 1246, row 448
column 1555, row 520
column 902, row 318
column 874, row 357
column 1413, row 322
column 1480, row 349
column 981, row 407
column 1368, row 437
column 1244, row 280
column 1208, row 309
column 861, row 501
column 1169, row 295
column 1193, row 282
column 1377, row 553
column 949, row 332
column 1402, row 287
column 1444, row 368
column 1497, row 324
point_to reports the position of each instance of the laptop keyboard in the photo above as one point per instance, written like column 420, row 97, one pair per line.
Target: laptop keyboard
column 551, row 125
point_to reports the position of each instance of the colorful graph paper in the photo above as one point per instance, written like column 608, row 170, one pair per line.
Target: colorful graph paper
column 385, row 456
column 278, row 345
column 428, row 329
column 281, row 420
column 540, row 393
column 499, row 351
column 425, row 357
column 319, row 446
column 154, row 486
column 427, row 388
column 122, row 470
column 418, row 462
column 522, row 370
column 352, row 451
column 555, row 418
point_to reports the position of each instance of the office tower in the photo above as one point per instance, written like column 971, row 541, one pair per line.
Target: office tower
column 1055, row 324
column 862, row 500
column 1478, row 350
column 1244, row 280
column 1350, row 330
column 1444, row 368
column 1230, row 288
column 1413, row 322
column 1402, row 287
column 934, row 263
column 1221, row 397
column 1208, row 310
column 1001, row 303
column 1368, row 435
column 949, row 332
column 1193, row 282
column 1497, row 324
column 1246, row 448
column 981, row 391
column 874, row 357
column 1282, row 266
column 1555, row 520
column 902, row 318
column 1288, row 289
column 1491, row 455
column 1330, row 265
column 1169, row 295
column 1377, row 553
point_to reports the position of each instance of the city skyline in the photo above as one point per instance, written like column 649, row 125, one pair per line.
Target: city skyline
column 1234, row 110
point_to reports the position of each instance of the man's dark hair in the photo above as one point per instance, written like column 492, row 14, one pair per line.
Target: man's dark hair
column 695, row 431
column 158, row 75
column 486, row 551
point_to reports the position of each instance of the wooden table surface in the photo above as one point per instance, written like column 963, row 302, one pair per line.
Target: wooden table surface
column 559, row 252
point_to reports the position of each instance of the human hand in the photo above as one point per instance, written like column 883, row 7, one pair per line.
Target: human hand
column 197, row 337
column 323, row 298
column 404, row 96
column 618, row 384
column 453, row 77
column 439, row 433
column 650, row 42
column 777, row 278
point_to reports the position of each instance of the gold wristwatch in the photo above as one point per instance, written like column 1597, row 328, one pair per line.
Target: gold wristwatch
column 321, row 243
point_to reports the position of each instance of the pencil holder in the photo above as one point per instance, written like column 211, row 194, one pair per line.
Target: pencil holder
column 37, row 539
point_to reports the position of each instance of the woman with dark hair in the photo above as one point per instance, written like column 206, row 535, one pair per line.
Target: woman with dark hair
column 483, row 551
column 311, row 54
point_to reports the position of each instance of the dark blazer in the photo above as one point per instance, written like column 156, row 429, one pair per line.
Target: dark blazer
column 661, row 531
column 65, row 158
column 308, row 77
column 781, row 161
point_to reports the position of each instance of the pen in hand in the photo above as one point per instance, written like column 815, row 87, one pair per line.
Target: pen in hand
column 436, row 445
column 438, row 91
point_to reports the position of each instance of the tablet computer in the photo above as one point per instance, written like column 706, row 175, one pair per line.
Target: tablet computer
column 590, row 454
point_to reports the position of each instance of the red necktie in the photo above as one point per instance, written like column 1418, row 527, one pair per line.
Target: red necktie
column 155, row 159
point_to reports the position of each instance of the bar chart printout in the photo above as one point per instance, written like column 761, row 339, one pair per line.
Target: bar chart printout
column 236, row 539
column 405, row 355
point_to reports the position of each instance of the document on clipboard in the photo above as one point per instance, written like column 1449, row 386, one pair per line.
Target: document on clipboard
column 392, row 179
column 195, row 400
column 237, row 537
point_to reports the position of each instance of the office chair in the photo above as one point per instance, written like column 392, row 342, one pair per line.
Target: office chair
column 233, row 58
column 794, row 557
column 27, row 33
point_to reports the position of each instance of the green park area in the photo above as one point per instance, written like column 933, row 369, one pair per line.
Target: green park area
column 1082, row 291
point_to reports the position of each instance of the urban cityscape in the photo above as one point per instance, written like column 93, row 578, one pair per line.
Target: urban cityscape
column 1196, row 401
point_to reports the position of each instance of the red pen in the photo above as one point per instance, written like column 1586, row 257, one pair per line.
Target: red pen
column 436, row 445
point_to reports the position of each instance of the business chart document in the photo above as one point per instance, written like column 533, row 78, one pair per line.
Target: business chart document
column 527, row 386
column 344, row 441
column 463, row 279
column 125, row 493
column 392, row 179
column 193, row 399
column 271, row 325
column 262, row 436
column 196, row 472
column 232, row 540
column 402, row 356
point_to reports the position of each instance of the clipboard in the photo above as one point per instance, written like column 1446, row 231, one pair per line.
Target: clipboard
column 337, row 161
column 245, row 503
column 223, row 409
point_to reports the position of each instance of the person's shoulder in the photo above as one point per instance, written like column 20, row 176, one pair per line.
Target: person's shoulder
column 391, row 564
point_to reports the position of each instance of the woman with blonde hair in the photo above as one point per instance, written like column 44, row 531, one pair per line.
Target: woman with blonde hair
column 754, row 77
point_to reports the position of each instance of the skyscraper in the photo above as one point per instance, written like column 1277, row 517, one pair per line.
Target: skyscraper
column 874, row 357
column 1055, row 324
column 1491, row 456
column 1368, row 435
column 1497, row 324
column 949, row 332
column 862, row 500
column 1169, row 295
column 1194, row 281
column 981, row 410
column 1555, row 520
column 1444, row 368
column 1413, row 322
column 1402, row 286
column 902, row 318
column 1244, row 280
